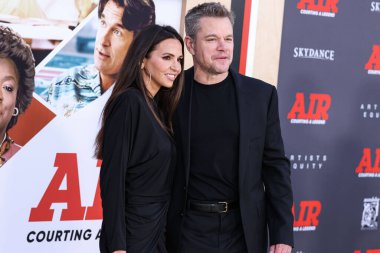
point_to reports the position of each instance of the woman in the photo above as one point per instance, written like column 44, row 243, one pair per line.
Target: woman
column 17, row 85
column 136, row 146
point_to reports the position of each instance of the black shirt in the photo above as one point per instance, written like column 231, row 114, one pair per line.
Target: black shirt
column 214, row 142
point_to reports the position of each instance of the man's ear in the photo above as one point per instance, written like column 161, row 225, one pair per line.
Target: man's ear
column 189, row 42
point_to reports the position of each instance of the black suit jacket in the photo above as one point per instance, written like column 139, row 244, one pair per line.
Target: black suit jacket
column 265, row 193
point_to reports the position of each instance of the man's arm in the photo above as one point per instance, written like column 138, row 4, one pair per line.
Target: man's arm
column 276, row 176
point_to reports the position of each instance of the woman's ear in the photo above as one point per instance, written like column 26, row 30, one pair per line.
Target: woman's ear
column 143, row 63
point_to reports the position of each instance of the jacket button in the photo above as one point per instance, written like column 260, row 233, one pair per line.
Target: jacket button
column 184, row 188
column 181, row 214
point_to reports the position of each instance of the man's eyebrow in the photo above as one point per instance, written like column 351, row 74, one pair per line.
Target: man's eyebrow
column 211, row 35
column 120, row 24
column 214, row 35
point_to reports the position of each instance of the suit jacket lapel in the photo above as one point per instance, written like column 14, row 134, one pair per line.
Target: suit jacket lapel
column 241, row 105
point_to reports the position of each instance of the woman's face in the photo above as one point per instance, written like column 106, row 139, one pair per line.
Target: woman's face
column 163, row 65
column 8, row 91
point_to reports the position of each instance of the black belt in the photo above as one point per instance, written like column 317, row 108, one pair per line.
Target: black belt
column 213, row 207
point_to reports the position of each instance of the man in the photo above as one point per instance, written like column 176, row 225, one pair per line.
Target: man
column 232, row 182
column 119, row 21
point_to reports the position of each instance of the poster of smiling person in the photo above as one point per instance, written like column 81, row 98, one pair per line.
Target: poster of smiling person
column 43, row 26
column 91, row 61
column 17, row 72
column 86, row 66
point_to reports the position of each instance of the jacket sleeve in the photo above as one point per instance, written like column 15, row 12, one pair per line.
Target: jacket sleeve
column 276, row 176
column 119, row 131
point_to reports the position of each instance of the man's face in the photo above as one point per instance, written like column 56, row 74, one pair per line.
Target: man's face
column 213, row 46
column 112, row 40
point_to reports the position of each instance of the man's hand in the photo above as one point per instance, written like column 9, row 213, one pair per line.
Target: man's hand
column 280, row 248
column 119, row 251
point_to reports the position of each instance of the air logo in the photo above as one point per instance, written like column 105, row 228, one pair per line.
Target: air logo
column 307, row 217
column 324, row 8
column 373, row 63
column 67, row 169
column 316, row 113
column 369, row 165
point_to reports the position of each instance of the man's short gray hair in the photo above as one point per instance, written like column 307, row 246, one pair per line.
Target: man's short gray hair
column 211, row 9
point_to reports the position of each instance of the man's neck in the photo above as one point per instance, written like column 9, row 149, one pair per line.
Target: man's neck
column 208, row 78
column 106, row 81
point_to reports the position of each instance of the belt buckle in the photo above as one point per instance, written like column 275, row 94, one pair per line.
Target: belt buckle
column 225, row 206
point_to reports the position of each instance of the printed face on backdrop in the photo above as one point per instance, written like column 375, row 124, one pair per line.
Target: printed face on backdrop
column 163, row 65
column 112, row 40
column 213, row 46
column 8, row 91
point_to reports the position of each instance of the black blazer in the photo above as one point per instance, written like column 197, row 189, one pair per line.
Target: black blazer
column 265, row 193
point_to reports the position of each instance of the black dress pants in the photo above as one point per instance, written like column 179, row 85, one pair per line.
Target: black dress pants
column 204, row 232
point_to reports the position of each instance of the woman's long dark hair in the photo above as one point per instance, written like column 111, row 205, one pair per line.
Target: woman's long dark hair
column 131, row 75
